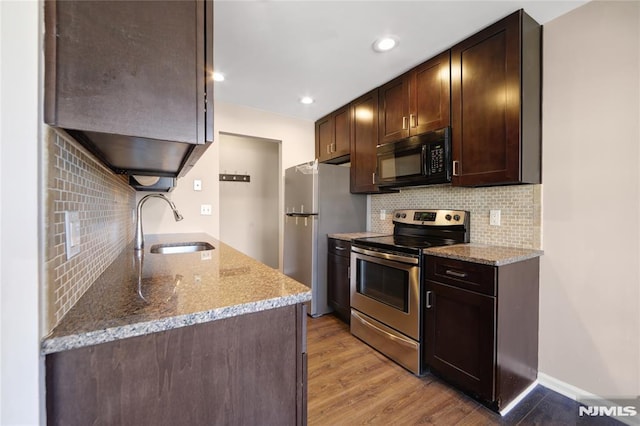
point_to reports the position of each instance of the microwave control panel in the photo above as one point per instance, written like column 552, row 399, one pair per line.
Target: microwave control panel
column 436, row 158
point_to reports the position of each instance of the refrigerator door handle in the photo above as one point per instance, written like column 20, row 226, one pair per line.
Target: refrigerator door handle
column 301, row 214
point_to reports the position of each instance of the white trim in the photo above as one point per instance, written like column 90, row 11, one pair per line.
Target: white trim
column 563, row 388
column 577, row 394
column 519, row 398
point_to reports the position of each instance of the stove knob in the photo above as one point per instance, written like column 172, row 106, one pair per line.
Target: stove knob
column 448, row 217
column 456, row 217
column 404, row 215
column 397, row 215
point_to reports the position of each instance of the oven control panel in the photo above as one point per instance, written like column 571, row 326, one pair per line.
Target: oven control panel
column 431, row 217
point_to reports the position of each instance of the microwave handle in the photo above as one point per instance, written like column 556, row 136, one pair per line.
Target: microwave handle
column 425, row 161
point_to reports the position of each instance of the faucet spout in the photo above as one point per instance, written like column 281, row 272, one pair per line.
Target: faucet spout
column 139, row 243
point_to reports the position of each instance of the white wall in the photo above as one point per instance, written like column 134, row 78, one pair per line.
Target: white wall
column 249, row 211
column 590, row 280
column 298, row 145
column 19, row 118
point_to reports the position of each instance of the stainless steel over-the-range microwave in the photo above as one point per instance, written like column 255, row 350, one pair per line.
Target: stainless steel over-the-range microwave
column 418, row 160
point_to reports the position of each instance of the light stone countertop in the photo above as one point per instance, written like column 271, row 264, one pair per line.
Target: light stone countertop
column 348, row 236
column 485, row 254
column 165, row 291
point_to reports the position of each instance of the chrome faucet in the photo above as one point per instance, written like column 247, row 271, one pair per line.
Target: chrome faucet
column 139, row 244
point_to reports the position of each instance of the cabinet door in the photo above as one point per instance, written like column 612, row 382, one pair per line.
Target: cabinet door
column 324, row 138
column 496, row 104
column 394, row 110
column 131, row 68
column 364, row 139
column 486, row 105
column 333, row 135
column 342, row 133
column 338, row 285
column 460, row 337
column 429, row 96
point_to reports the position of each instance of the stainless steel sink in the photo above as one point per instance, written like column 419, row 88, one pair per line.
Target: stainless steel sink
column 174, row 248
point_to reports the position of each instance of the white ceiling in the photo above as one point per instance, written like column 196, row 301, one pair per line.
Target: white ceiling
column 274, row 52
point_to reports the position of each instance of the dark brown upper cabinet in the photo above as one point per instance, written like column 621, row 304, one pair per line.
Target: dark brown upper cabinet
column 416, row 102
column 333, row 137
column 364, row 140
column 130, row 80
column 495, row 103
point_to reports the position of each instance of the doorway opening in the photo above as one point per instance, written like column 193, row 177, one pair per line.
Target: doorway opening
column 250, row 204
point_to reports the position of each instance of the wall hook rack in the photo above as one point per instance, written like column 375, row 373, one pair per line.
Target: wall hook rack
column 224, row 177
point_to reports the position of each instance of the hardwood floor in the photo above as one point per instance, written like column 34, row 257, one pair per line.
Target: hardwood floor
column 351, row 383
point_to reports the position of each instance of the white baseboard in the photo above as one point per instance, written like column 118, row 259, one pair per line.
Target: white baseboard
column 578, row 394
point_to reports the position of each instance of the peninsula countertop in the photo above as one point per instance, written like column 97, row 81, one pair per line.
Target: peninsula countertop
column 147, row 293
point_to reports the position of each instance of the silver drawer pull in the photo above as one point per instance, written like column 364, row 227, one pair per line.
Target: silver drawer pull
column 428, row 300
column 340, row 248
column 456, row 273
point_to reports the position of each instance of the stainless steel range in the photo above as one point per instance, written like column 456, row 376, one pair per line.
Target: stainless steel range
column 386, row 281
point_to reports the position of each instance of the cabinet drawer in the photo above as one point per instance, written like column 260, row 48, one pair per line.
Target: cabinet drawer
column 339, row 247
column 467, row 275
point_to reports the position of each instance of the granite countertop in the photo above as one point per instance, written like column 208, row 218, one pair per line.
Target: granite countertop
column 138, row 295
column 485, row 254
column 352, row 235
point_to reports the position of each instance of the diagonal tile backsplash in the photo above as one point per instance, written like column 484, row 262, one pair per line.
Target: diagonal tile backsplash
column 520, row 208
column 74, row 181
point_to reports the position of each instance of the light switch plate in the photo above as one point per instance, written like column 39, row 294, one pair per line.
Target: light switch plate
column 383, row 214
column 205, row 209
column 197, row 185
column 72, row 233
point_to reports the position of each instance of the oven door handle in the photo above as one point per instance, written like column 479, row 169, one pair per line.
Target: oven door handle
column 387, row 256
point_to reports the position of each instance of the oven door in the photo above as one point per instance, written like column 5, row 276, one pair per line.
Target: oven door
column 386, row 287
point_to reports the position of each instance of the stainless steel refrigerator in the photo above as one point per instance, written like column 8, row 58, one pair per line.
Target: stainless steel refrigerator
column 317, row 202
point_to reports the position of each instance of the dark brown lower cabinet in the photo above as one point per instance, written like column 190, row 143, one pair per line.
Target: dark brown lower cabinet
column 338, row 287
column 481, row 327
column 249, row 369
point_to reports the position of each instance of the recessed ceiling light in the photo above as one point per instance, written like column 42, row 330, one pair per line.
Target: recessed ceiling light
column 306, row 100
column 385, row 44
column 218, row 76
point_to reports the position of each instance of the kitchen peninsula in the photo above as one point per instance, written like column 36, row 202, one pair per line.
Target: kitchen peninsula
column 197, row 338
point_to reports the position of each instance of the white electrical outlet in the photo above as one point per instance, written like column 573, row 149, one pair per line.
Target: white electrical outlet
column 205, row 209
column 383, row 214
column 197, row 185
column 494, row 217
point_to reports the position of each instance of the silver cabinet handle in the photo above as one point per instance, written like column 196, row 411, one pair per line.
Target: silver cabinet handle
column 339, row 248
column 456, row 166
column 428, row 304
column 413, row 120
column 373, row 178
column 329, row 149
column 404, row 123
column 456, row 273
